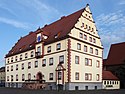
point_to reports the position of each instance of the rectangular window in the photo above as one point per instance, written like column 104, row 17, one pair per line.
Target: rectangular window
column 77, row 76
column 32, row 53
column 36, row 64
column 58, row 46
column 96, row 51
column 29, row 76
column 85, row 37
column 17, row 67
column 7, row 78
column 88, row 76
column 12, row 68
column 16, row 77
column 76, row 59
column 20, row 57
column 23, row 77
column 90, row 39
column 78, row 46
column 7, row 68
column 29, row 65
column 88, row 62
column 12, row 59
column 59, row 75
column 61, row 59
column 51, row 76
column 82, row 25
column 97, row 63
column 85, row 48
column 44, row 62
column 11, row 77
column 91, row 50
column 26, row 55
column 80, row 35
column 94, row 40
column 22, row 66
column 51, row 61
column 8, row 60
column 16, row 58
column 49, row 49
column 97, row 77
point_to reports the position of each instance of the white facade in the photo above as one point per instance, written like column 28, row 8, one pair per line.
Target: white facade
column 78, row 56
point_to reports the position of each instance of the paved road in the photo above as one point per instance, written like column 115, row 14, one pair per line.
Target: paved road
column 25, row 91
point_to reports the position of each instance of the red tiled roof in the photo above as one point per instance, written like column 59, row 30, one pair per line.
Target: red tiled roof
column 116, row 54
column 107, row 75
column 61, row 28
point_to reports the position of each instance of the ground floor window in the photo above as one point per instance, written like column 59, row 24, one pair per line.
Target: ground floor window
column 86, row 87
column 76, row 87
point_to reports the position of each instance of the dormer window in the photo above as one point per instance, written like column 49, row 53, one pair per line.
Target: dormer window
column 20, row 49
column 38, row 38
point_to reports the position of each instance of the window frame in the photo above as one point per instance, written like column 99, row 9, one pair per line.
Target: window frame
column 61, row 59
column 58, row 46
column 78, row 46
column 76, row 75
column 77, row 59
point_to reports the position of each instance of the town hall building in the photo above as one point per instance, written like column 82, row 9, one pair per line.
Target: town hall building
column 66, row 54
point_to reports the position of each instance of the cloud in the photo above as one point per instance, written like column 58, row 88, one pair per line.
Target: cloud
column 111, row 29
column 15, row 23
column 122, row 3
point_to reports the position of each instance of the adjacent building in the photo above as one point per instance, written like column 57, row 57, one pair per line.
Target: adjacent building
column 2, row 76
column 115, row 62
column 67, row 54
column 110, row 81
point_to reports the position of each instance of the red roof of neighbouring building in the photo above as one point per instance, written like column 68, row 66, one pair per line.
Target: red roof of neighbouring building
column 61, row 28
column 107, row 75
column 116, row 54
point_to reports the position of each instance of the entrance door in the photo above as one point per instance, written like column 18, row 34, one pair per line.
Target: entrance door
column 39, row 77
column 60, row 87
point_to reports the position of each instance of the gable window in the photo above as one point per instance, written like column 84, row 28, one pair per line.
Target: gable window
column 80, row 35
column 90, row 39
column 36, row 64
column 97, row 63
column 88, row 62
column 49, row 49
column 61, row 59
column 12, row 59
column 92, row 29
column 59, row 75
column 29, row 65
column 17, row 67
column 38, row 38
column 85, row 37
column 58, row 46
column 44, row 62
column 29, row 76
column 96, row 51
column 51, row 76
column 32, row 53
column 88, row 76
column 26, row 55
column 94, row 40
column 17, row 77
column 12, row 68
column 86, row 27
column 22, row 66
column 39, row 50
column 78, row 46
column 21, row 57
column 85, row 48
column 97, row 77
column 76, row 59
column 23, row 77
column 91, row 50
column 89, row 28
column 50, row 61
column 77, row 76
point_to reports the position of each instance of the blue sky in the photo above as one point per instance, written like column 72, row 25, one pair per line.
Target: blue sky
column 19, row 17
